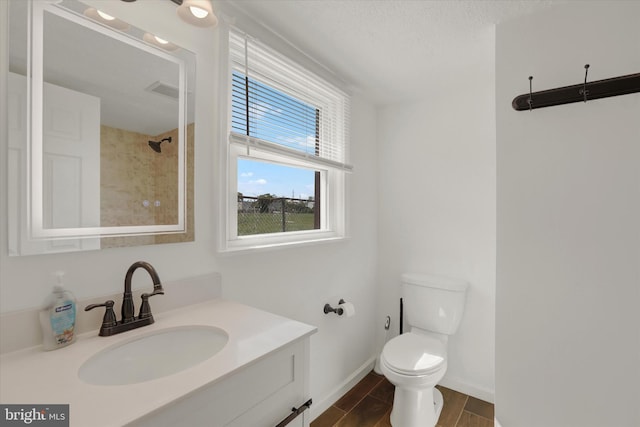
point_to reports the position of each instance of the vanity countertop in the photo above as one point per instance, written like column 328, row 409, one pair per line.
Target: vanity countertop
column 34, row 376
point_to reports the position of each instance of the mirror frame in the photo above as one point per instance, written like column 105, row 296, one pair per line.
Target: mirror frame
column 35, row 68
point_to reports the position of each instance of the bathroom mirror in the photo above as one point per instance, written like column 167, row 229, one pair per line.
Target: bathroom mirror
column 101, row 135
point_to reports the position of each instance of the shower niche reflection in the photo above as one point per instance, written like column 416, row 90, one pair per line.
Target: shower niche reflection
column 101, row 136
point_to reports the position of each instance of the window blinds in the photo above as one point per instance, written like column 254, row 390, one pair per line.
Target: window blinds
column 280, row 107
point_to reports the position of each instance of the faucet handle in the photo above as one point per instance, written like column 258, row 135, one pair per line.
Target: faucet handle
column 109, row 319
column 145, row 308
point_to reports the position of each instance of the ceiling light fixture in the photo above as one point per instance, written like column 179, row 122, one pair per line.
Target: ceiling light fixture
column 196, row 12
column 106, row 19
column 105, row 16
column 159, row 42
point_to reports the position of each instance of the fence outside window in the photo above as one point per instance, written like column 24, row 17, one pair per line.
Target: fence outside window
column 269, row 214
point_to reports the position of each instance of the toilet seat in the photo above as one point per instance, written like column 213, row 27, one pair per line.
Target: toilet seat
column 414, row 354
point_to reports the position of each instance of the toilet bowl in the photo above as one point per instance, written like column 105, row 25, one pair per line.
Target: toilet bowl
column 416, row 361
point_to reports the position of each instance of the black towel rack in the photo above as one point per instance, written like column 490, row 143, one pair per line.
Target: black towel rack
column 584, row 92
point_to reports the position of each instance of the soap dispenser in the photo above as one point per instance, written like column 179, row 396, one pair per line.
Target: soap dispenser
column 58, row 317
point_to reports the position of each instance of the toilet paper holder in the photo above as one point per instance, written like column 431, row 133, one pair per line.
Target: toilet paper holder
column 338, row 310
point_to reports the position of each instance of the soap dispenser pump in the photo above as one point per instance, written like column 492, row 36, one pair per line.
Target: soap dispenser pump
column 58, row 317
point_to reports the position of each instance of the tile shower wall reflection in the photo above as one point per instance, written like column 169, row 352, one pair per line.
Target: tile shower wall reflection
column 132, row 172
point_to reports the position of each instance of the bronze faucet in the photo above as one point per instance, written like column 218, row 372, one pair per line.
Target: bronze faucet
column 110, row 326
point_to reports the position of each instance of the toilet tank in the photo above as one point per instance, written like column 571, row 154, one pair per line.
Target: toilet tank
column 433, row 303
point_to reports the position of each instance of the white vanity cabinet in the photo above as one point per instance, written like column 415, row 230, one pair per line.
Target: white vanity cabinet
column 260, row 394
column 260, row 374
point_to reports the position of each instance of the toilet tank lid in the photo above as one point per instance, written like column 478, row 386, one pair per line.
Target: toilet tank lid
column 433, row 281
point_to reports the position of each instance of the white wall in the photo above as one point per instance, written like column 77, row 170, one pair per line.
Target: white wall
column 437, row 206
column 292, row 282
column 568, row 277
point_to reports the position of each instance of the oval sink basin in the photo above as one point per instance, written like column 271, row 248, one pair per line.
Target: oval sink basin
column 153, row 356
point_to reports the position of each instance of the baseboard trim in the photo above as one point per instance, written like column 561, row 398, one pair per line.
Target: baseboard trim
column 322, row 404
column 469, row 389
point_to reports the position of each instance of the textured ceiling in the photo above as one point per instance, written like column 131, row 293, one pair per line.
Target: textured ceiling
column 390, row 50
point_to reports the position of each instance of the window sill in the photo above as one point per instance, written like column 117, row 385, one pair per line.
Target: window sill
column 259, row 244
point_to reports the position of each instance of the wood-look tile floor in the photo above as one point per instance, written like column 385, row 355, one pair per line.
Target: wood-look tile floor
column 368, row 404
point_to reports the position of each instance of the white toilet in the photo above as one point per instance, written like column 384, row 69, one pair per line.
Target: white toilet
column 415, row 361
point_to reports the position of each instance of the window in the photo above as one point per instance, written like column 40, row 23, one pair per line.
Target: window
column 287, row 150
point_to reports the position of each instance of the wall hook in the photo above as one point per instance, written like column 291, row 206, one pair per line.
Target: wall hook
column 614, row 86
column 584, row 90
column 530, row 100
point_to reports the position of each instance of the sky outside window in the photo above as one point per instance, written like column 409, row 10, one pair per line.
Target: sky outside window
column 256, row 178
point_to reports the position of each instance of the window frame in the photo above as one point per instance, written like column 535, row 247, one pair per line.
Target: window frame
column 333, row 179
